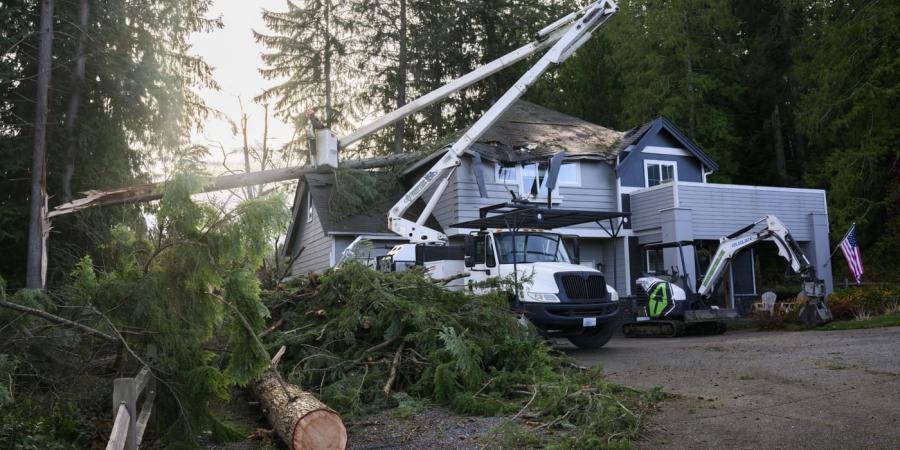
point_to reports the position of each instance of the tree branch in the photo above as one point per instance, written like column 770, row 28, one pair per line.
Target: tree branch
column 56, row 319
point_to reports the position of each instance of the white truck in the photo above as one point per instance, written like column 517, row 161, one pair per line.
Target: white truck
column 557, row 295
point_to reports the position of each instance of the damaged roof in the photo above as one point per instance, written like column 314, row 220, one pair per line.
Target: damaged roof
column 372, row 221
column 530, row 131
column 527, row 131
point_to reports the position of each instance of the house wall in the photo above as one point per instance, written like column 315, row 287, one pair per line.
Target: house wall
column 631, row 168
column 702, row 211
column 596, row 192
column 316, row 245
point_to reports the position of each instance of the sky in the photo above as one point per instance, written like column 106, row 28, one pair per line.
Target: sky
column 235, row 57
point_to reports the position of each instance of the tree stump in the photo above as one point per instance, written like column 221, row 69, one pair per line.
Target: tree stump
column 300, row 419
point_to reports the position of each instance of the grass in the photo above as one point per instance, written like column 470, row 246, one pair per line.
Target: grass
column 891, row 320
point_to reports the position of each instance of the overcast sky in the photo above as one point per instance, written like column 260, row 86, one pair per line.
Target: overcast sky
column 235, row 57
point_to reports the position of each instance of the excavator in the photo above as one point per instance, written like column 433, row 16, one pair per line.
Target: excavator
column 667, row 306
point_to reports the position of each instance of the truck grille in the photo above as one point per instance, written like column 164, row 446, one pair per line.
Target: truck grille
column 583, row 287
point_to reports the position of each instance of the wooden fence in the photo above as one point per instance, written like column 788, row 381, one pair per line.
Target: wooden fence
column 129, row 424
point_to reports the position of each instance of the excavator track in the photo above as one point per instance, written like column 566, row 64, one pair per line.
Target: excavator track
column 672, row 328
column 654, row 328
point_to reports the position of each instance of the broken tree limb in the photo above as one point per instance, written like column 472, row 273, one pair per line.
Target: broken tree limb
column 56, row 319
column 154, row 191
column 299, row 418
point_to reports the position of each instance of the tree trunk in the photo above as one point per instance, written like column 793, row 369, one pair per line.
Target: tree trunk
column 399, row 130
column 778, row 144
column 299, row 418
column 84, row 10
column 154, row 191
column 38, row 226
column 329, row 120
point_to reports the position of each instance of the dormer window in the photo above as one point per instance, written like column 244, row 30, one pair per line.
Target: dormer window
column 660, row 172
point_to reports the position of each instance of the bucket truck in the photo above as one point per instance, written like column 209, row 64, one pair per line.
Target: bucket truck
column 667, row 309
column 556, row 294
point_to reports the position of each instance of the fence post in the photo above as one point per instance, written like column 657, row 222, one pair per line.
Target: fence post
column 124, row 393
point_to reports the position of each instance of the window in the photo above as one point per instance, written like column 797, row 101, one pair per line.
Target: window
column 507, row 174
column 531, row 178
column 660, row 172
column 655, row 263
column 525, row 248
column 309, row 208
column 484, row 251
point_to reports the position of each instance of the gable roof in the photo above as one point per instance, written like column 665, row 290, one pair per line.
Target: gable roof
column 372, row 221
column 639, row 136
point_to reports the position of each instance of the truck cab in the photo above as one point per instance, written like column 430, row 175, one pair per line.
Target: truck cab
column 546, row 283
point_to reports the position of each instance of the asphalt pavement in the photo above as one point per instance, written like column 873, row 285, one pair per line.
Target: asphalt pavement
column 754, row 389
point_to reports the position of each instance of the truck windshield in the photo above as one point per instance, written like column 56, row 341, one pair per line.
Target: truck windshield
column 530, row 248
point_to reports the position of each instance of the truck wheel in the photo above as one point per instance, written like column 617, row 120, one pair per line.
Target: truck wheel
column 597, row 339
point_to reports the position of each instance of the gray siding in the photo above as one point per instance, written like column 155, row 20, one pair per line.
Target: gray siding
column 316, row 256
column 721, row 209
column 596, row 192
column 646, row 205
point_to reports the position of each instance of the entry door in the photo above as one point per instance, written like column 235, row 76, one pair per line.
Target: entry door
column 485, row 263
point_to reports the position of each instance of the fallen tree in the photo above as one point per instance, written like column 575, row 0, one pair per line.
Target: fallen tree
column 300, row 419
column 154, row 191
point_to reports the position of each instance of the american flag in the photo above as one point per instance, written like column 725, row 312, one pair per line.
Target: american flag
column 851, row 252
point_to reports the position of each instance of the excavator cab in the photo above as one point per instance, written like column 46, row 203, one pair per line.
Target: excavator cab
column 667, row 304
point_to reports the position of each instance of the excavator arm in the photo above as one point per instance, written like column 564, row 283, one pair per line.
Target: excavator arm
column 775, row 231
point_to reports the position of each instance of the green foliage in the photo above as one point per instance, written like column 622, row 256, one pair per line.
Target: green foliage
column 137, row 103
column 846, row 303
column 344, row 329
column 190, row 287
column 888, row 320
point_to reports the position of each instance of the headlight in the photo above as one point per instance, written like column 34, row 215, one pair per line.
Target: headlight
column 541, row 297
column 613, row 296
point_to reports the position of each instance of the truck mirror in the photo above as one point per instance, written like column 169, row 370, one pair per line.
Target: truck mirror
column 469, row 245
column 469, row 261
column 576, row 251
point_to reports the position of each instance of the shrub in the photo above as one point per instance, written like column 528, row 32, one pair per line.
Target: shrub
column 876, row 300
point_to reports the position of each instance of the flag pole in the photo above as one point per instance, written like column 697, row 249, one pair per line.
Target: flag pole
column 852, row 226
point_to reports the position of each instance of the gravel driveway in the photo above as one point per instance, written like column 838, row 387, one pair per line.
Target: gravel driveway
column 750, row 389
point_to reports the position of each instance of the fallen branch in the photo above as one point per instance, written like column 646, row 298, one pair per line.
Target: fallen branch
column 154, row 191
column 56, row 319
column 278, row 323
column 393, row 374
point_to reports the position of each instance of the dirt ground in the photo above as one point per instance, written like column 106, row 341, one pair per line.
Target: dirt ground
column 750, row 389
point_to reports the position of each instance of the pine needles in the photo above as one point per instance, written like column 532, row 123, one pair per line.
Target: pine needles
column 345, row 330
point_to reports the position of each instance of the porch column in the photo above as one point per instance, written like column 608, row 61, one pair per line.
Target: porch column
column 820, row 248
column 677, row 225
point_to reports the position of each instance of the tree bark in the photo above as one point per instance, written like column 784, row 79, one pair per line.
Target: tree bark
column 329, row 120
column 778, row 143
column 84, row 11
column 299, row 418
column 38, row 226
column 399, row 129
column 154, row 191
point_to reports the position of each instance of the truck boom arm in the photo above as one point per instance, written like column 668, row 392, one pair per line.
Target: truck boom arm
column 730, row 245
column 581, row 24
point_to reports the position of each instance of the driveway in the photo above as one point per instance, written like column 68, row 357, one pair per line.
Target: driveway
column 750, row 389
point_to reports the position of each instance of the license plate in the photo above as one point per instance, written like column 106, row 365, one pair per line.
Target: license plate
column 643, row 319
column 589, row 322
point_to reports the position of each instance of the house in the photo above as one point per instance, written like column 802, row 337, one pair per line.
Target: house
column 654, row 171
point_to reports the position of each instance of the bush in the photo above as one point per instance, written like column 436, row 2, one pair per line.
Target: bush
column 876, row 300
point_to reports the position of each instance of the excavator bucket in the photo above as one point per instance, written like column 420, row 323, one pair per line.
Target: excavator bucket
column 815, row 312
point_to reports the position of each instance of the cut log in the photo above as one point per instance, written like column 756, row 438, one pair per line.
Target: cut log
column 300, row 419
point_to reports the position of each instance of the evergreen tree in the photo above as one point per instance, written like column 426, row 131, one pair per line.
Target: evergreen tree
column 849, row 69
